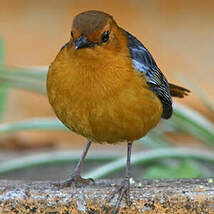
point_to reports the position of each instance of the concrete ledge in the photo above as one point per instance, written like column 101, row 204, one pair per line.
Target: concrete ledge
column 183, row 196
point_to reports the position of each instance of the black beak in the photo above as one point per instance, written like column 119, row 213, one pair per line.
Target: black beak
column 82, row 42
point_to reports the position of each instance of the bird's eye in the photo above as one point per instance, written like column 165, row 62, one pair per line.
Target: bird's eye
column 105, row 36
column 72, row 34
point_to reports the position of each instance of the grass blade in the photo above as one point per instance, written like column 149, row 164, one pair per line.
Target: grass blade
column 24, row 83
column 4, row 89
column 53, row 157
column 183, row 169
column 1, row 52
column 152, row 141
column 194, row 123
column 35, row 73
column 29, row 78
column 150, row 156
column 32, row 124
column 3, row 86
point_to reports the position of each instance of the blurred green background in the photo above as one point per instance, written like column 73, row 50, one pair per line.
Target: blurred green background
column 180, row 36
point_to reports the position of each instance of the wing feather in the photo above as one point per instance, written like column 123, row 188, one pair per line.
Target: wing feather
column 145, row 64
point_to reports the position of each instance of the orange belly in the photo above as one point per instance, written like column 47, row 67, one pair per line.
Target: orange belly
column 112, row 106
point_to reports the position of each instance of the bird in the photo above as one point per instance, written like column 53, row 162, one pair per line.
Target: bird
column 105, row 85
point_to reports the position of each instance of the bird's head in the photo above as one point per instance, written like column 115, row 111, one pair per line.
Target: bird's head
column 95, row 29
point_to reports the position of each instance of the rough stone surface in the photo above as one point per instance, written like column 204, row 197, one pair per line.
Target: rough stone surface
column 182, row 196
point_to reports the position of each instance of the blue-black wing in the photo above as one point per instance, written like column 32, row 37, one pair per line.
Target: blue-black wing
column 144, row 63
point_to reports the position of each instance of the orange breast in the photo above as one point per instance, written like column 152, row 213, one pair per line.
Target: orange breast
column 101, row 96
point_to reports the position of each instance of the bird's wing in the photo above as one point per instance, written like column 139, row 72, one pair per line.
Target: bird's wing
column 145, row 64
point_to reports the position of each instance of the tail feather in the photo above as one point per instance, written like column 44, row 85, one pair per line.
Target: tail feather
column 178, row 91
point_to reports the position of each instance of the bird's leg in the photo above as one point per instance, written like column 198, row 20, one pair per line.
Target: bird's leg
column 76, row 180
column 124, row 188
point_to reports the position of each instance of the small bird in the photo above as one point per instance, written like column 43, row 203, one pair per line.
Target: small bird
column 105, row 85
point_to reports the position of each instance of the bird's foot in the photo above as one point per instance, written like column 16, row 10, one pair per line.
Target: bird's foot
column 123, row 191
column 75, row 181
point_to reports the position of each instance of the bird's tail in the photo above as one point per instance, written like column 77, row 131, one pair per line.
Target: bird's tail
column 178, row 91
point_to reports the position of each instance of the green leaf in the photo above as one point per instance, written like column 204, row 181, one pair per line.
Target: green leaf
column 35, row 73
column 146, row 157
column 30, row 84
column 154, row 140
column 1, row 52
column 32, row 124
column 30, row 78
column 53, row 157
column 194, row 123
column 186, row 169
column 3, row 98
column 3, row 86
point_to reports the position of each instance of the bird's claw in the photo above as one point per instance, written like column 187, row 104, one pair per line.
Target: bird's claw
column 122, row 190
column 74, row 181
